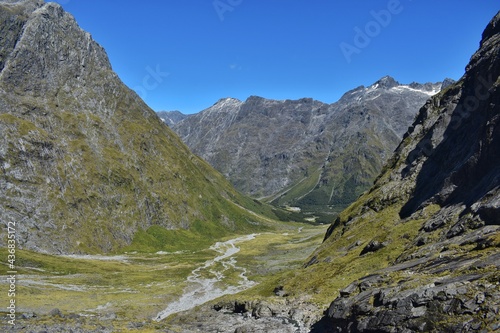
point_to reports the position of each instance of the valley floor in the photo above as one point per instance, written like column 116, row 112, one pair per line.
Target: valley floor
column 138, row 291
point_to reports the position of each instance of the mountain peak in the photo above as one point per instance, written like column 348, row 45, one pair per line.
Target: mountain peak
column 254, row 98
column 227, row 100
column 386, row 82
column 492, row 29
column 62, row 62
column 171, row 117
column 446, row 83
column 227, row 103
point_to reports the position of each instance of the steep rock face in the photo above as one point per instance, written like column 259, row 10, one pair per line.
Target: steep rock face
column 436, row 206
column 235, row 136
column 85, row 164
column 305, row 152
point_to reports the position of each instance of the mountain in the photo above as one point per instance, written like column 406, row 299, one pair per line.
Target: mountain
column 171, row 117
column 306, row 153
column 419, row 251
column 424, row 243
column 86, row 165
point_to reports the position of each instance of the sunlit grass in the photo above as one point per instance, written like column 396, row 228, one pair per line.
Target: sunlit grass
column 136, row 286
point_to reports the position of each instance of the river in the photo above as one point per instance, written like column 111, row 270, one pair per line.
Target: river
column 205, row 281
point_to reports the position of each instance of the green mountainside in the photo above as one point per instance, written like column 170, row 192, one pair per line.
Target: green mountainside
column 86, row 166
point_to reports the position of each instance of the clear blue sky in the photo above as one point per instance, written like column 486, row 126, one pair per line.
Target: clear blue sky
column 186, row 54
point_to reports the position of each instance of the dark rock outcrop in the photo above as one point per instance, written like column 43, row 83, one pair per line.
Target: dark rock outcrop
column 471, row 305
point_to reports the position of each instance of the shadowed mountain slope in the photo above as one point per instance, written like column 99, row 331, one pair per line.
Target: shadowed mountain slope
column 423, row 245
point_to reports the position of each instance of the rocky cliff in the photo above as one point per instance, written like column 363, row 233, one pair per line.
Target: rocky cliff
column 306, row 153
column 433, row 217
column 85, row 165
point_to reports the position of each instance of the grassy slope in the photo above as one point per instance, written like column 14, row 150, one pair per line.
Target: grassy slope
column 96, row 185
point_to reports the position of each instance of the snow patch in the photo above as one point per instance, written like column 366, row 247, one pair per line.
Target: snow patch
column 402, row 88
